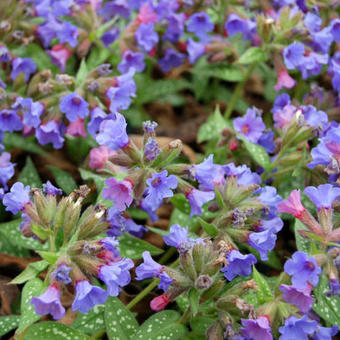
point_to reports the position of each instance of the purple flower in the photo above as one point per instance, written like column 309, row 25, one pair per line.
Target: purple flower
column 50, row 189
column 116, row 275
column 175, row 27
column 49, row 303
column 116, row 7
column 197, row 198
column 6, row 169
column 250, row 126
column 238, row 265
column 299, row 297
column 312, row 64
column 165, row 281
column 200, row 24
column 325, row 333
column 23, row 65
column 295, row 328
column 110, row 36
column 88, row 296
column 293, row 55
column 10, row 121
column 263, row 242
column 131, row 59
column 177, row 236
column 322, row 40
column 61, row 274
column 146, row 36
column 119, row 193
column 314, row 117
column 4, row 54
column 171, row 59
column 151, row 149
column 323, row 196
column 111, row 244
column 74, row 106
column 275, row 223
column 257, row 329
column 268, row 195
column 303, row 269
column 17, row 198
column 159, row 187
column 149, row 268
column 149, row 127
column 67, row 33
column 235, row 25
column 195, row 50
column 51, row 132
column 313, row 22
column 97, row 116
column 47, row 31
column 30, row 110
column 335, row 29
column 243, row 173
column 112, row 132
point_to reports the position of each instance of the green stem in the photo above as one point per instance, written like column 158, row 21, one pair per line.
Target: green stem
column 238, row 91
column 299, row 88
column 185, row 317
column 142, row 294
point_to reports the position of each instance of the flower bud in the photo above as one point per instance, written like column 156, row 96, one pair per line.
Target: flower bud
column 215, row 332
column 203, row 282
column 60, row 212
column 188, row 266
column 72, row 214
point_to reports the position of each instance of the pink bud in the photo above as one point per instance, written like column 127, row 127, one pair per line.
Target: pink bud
column 284, row 80
column 292, row 205
column 146, row 14
column 233, row 145
column 76, row 128
column 59, row 55
column 99, row 156
column 159, row 303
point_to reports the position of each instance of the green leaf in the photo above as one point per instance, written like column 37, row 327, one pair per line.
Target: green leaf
column 91, row 322
column 158, row 231
column 232, row 73
column 120, row 322
column 81, row 74
column 7, row 323
column 253, row 55
column 40, row 231
column 98, row 179
column 181, row 203
column 210, row 229
column 264, row 292
column 303, row 244
column 11, row 231
column 7, row 247
column 50, row 257
column 327, row 308
column 194, row 300
column 13, row 140
column 133, row 247
column 199, row 324
column 28, row 315
column 29, row 175
column 64, row 180
column 161, row 325
column 97, row 57
column 213, row 127
column 30, row 272
column 50, row 330
column 258, row 153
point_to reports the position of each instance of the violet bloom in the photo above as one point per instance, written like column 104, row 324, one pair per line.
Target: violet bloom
column 292, row 205
column 257, row 329
column 275, row 223
column 250, row 126
column 110, row 36
column 244, row 175
column 177, row 236
column 10, row 121
column 238, row 265
column 88, row 296
column 149, row 127
column 284, row 80
column 131, row 59
column 116, row 7
column 295, row 328
column 120, row 193
column 195, row 50
column 263, row 242
column 165, row 281
column 325, row 333
column 299, row 297
column 315, row 118
column 50, row 132
column 293, row 55
column 99, row 157
column 50, row 189
column 323, row 196
column 116, row 275
column 97, row 116
column 6, row 169
column 17, row 198
column 149, row 268
column 146, row 14
column 4, row 54
column 171, row 59
column 62, row 274
column 151, row 149
column 67, row 33
column 146, row 36
column 59, row 55
column 312, row 64
column 23, row 65
column 112, row 133
column 30, row 110
column 159, row 187
column 200, row 24
column 175, row 27
column 74, row 106
column 236, row 24
column 111, row 244
column 303, row 269
column 335, row 29
column 197, row 198
column 49, row 303
column 268, row 196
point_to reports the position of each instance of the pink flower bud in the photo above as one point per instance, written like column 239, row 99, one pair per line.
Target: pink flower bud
column 76, row 128
column 292, row 205
column 59, row 55
column 159, row 303
column 146, row 14
column 233, row 145
column 284, row 80
column 99, row 156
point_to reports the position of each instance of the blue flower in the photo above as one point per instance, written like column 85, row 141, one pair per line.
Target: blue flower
column 171, row 59
column 23, row 65
column 151, row 149
column 293, row 55
column 146, row 36
column 30, row 110
column 257, row 329
column 131, row 59
column 6, row 169
column 50, row 189
column 61, row 274
column 51, row 132
column 67, row 33
column 195, row 50
column 179, row 236
column 149, row 268
column 200, row 24
column 295, row 328
column 17, row 198
column 197, row 198
column 74, row 106
column 10, row 121
column 325, row 333
column 323, row 196
column 263, row 242
column 97, row 116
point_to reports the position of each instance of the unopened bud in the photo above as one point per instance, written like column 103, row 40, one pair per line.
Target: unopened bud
column 204, row 282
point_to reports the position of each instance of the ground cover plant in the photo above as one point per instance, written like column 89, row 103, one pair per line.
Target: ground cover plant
column 169, row 169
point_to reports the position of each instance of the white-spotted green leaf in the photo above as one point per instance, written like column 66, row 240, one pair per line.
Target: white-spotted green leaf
column 226, row 72
column 161, row 326
column 200, row 324
column 258, row 153
column 7, row 247
column 209, row 228
column 82, row 73
column 326, row 307
column 133, row 247
column 29, row 175
column 120, row 322
column 194, row 300
column 181, row 202
column 30, row 272
column 303, row 244
column 28, row 315
column 264, row 292
column 13, row 140
column 91, row 322
column 7, row 323
column 64, row 180
column 212, row 128
column 50, row 330
column 11, row 231
column 253, row 55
